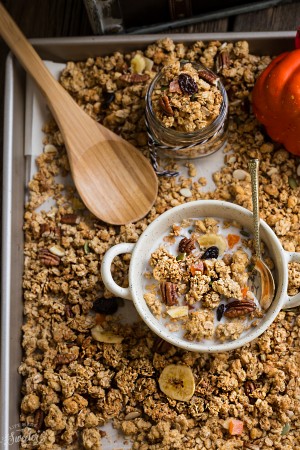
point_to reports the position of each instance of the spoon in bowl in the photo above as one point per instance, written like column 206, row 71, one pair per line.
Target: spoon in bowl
column 266, row 277
column 114, row 179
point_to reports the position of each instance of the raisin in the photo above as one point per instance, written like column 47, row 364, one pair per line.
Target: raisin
column 187, row 84
column 220, row 311
column 210, row 253
column 106, row 305
column 108, row 98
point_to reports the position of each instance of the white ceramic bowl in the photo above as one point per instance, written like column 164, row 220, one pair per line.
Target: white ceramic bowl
column 141, row 252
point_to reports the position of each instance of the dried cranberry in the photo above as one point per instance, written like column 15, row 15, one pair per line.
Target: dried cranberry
column 106, row 305
column 220, row 311
column 210, row 253
column 187, row 84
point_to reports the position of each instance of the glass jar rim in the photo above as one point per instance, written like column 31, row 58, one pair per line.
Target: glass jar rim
column 212, row 127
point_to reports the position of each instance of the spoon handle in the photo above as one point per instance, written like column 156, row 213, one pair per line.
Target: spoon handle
column 253, row 169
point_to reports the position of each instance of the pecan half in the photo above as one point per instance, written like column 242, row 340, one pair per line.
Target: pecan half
column 211, row 78
column 239, row 308
column 47, row 258
column 186, row 245
column 57, row 232
column 169, row 292
column 133, row 78
column 45, row 229
column 249, row 387
column 68, row 312
column 70, row 219
column 67, row 358
column 165, row 105
column 38, row 420
column 223, row 61
column 161, row 346
column 50, row 231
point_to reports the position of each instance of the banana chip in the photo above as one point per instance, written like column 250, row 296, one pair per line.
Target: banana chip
column 208, row 240
column 138, row 64
column 141, row 64
column 105, row 336
column 178, row 311
column 177, row 382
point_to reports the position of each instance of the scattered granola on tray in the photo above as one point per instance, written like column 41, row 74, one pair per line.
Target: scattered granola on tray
column 74, row 381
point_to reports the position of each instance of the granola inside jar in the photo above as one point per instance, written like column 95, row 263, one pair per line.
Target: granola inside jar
column 186, row 111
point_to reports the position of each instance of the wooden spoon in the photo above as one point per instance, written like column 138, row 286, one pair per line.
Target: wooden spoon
column 266, row 277
column 114, row 180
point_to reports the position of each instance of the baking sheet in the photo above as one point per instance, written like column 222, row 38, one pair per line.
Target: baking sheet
column 20, row 148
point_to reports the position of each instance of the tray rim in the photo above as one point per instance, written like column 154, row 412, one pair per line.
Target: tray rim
column 116, row 38
column 6, row 247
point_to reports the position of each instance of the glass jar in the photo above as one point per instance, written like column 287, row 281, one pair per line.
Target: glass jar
column 187, row 145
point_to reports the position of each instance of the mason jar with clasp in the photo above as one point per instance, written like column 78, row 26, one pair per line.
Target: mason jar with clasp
column 168, row 140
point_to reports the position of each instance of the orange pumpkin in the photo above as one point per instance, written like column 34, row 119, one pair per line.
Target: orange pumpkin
column 276, row 100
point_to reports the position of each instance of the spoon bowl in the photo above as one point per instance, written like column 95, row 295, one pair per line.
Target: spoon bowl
column 266, row 278
column 115, row 180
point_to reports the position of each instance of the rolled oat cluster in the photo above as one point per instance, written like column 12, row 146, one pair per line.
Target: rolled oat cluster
column 74, row 380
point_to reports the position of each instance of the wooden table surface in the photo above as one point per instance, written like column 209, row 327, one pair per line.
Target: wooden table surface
column 57, row 18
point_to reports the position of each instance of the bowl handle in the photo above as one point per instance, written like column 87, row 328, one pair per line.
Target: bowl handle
column 293, row 301
column 106, row 269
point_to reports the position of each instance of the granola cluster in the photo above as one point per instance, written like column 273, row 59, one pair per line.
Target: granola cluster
column 186, row 97
column 201, row 282
column 73, row 383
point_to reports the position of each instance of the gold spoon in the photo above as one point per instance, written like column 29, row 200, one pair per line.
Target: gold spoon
column 266, row 277
column 113, row 178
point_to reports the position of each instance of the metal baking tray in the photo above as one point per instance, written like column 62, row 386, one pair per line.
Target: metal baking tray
column 57, row 50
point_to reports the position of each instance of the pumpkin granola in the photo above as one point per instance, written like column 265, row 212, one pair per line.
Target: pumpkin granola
column 72, row 383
